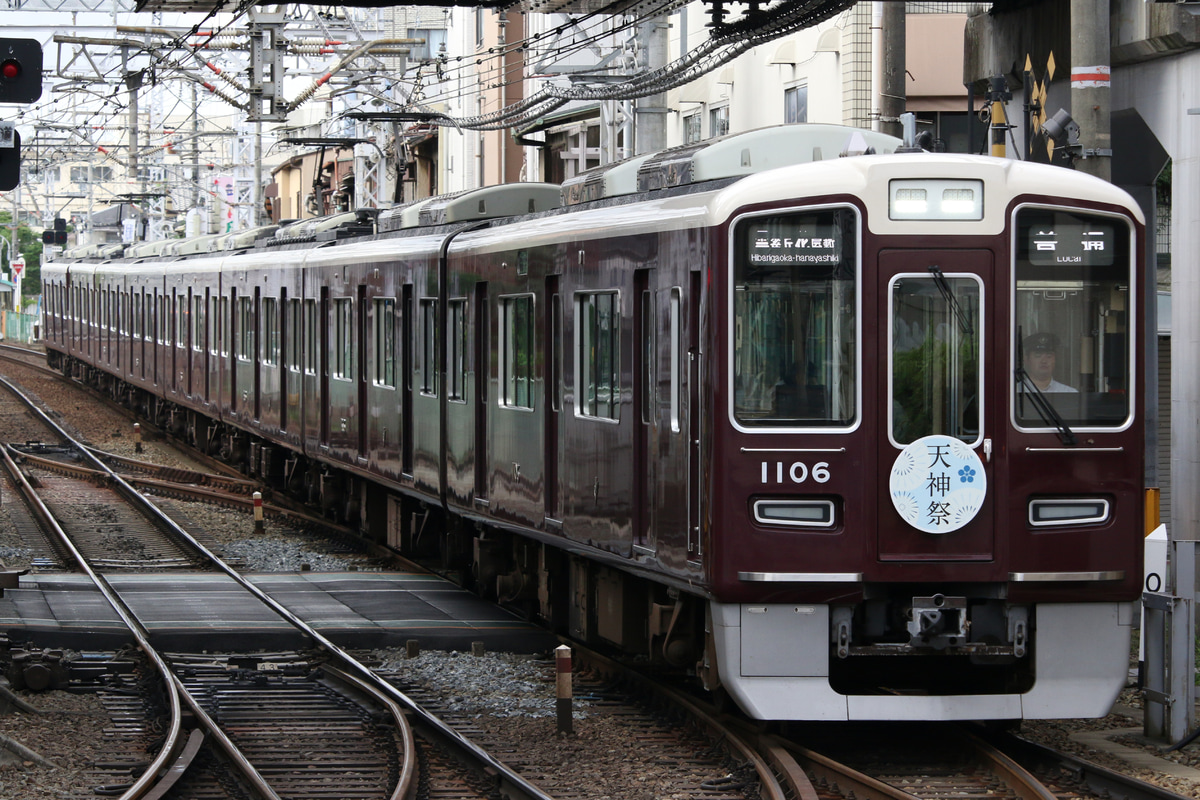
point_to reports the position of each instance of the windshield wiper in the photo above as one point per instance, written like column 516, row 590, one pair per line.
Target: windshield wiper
column 943, row 285
column 1037, row 399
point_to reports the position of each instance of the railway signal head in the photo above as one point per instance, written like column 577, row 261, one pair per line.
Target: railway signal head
column 20, row 70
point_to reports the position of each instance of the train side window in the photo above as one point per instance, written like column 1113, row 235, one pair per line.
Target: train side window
column 935, row 379
column 270, row 331
column 1072, row 319
column 342, row 341
column 429, row 384
column 162, row 311
column 598, row 348
column 214, row 331
column 223, row 327
column 794, row 319
column 311, row 337
column 293, row 325
column 244, row 345
column 198, row 323
column 516, row 351
column 456, row 344
column 181, row 320
column 383, row 323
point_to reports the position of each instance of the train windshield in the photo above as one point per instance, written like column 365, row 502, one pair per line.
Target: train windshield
column 795, row 314
column 1072, row 320
column 935, row 356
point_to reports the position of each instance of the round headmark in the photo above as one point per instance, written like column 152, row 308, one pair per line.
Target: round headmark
column 938, row 484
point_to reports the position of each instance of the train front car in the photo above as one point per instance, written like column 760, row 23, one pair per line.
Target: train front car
column 926, row 481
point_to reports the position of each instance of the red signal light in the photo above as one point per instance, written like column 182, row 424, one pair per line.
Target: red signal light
column 10, row 69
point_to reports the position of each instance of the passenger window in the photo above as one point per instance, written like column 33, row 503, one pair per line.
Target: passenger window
column 598, row 349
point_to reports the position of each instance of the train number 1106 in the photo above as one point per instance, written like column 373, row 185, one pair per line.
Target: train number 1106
column 797, row 472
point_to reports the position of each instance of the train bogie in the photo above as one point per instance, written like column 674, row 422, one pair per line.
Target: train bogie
column 850, row 438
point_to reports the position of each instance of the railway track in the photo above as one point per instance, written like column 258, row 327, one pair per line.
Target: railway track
column 780, row 768
column 236, row 706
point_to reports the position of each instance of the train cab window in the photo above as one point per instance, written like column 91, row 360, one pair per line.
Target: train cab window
column 1072, row 347
column 935, row 382
column 794, row 309
column 598, row 349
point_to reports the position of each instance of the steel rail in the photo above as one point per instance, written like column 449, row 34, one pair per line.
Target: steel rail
column 172, row 742
column 508, row 781
column 174, row 688
column 1102, row 780
column 774, row 770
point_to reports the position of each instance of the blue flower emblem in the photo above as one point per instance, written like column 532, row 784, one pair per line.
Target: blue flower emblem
column 966, row 475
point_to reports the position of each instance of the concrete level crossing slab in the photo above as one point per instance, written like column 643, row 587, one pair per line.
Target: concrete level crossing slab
column 206, row 611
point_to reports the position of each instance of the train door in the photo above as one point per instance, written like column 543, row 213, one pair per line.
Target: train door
column 362, row 371
column 937, row 426
column 643, row 400
column 406, row 369
column 482, row 371
column 697, row 464
column 553, row 405
column 257, row 349
column 322, row 343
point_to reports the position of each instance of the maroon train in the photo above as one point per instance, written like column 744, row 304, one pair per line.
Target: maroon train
column 746, row 408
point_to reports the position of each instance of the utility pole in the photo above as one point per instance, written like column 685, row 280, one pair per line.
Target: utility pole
column 892, row 91
column 1090, row 86
column 650, row 120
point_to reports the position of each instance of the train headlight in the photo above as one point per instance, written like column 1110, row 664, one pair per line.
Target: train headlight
column 1068, row 511
column 797, row 513
column 935, row 199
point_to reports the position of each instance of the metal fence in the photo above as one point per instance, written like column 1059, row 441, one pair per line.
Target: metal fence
column 20, row 326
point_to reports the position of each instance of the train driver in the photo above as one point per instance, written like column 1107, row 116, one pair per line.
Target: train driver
column 1041, row 355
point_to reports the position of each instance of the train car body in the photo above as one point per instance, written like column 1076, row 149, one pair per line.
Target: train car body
column 769, row 415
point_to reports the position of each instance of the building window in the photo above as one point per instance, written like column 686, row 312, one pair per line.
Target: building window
column 598, row 377
column 384, row 327
column 691, row 128
column 94, row 175
column 516, row 351
column 795, row 104
column 718, row 122
column 342, row 356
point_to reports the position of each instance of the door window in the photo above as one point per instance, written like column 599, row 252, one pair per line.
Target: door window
column 935, row 356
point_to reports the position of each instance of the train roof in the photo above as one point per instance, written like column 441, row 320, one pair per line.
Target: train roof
column 732, row 156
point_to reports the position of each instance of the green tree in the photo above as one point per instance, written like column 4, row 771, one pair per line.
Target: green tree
column 29, row 245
